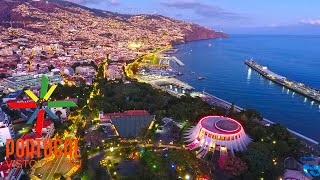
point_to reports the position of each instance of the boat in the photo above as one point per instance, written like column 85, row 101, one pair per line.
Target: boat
column 209, row 45
column 180, row 73
column 192, row 72
column 201, row 78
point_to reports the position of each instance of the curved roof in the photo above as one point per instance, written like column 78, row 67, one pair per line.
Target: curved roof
column 220, row 125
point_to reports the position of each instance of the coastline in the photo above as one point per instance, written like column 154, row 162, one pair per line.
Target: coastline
column 308, row 141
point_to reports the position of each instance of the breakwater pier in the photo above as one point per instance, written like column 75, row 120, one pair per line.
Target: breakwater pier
column 298, row 87
column 173, row 58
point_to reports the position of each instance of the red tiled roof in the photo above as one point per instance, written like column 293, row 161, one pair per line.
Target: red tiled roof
column 46, row 123
column 137, row 112
column 127, row 113
column 31, row 136
column 5, row 168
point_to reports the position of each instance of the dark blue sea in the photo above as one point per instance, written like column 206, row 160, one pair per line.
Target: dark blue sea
column 227, row 77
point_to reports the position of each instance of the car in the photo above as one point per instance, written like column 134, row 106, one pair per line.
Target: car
column 39, row 175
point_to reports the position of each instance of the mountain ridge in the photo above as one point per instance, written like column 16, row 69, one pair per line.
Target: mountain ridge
column 8, row 13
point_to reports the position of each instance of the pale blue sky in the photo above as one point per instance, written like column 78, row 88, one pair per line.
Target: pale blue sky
column 228, row 15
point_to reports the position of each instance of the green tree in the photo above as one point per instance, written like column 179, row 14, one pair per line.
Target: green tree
column 232, row 108
column 260, row 157
column 100, row 72
column 234, row 166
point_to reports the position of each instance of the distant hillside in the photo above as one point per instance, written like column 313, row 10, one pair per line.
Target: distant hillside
column 36, row 13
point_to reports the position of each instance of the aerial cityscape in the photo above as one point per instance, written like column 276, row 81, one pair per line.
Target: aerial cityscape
column 182, row 89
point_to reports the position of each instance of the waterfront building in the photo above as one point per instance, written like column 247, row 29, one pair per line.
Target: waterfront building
column 16, row 83
column 6, row 128
column 217, row 133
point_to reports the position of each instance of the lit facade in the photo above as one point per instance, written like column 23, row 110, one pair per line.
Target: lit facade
column 16, row 83
column 216, row 133
column 6, row 128
column 9, row 173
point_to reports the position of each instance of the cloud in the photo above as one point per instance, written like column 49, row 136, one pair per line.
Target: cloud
column 311, row 21
column 111, row 2
column 202, row 9
column 114, row 2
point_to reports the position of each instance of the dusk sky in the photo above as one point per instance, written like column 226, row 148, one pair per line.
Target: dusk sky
column 272, row 16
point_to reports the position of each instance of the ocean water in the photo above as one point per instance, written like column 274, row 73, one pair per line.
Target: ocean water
column 227, row 77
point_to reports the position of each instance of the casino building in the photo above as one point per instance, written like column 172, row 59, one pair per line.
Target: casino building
column 216, row 133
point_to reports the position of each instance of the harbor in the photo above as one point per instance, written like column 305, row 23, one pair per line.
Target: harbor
column 298, row 87
column 179, row 88
column 173, row 58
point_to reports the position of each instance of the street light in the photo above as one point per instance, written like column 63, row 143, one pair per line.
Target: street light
column 187, row 177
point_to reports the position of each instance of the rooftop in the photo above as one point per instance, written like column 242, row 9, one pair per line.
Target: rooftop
column 3, row 116
column 220, row 125
column 31, row 135
column 132, row 125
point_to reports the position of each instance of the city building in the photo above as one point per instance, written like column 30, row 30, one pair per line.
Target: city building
column 114, row 71
column 85, row 70
column 35, row 136
column 15, row 174
column 217, row 133
column 7, row 173
column 47, row 129
column 12, row 96
column 16, row 83
column 294, row 168
column 6, row 128
column 61, row 112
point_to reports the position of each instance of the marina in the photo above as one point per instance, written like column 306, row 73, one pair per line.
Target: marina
column 298, row 87
column 173, row 58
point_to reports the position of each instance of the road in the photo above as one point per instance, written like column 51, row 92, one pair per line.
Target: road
column 57, row 165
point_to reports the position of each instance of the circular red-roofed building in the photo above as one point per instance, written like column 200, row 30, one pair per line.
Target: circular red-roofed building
column 217, row 133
